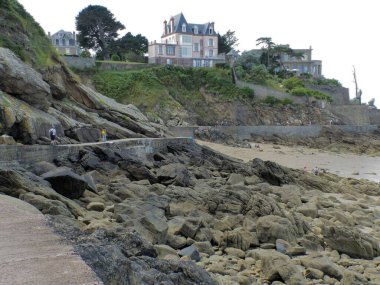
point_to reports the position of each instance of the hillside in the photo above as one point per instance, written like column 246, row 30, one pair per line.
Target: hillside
column 181, row 96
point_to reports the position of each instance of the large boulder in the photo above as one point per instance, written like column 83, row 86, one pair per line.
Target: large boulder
column 351, row 242
column 176, row 174
column 67, row 183
column 5, row 139
column 21, row 80
column 270, row 228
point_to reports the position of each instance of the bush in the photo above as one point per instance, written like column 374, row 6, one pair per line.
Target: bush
column 115, row 57
column 286, row 101
column 300, row 91
column 271, row 100
column 292, row 82
column 259, row 74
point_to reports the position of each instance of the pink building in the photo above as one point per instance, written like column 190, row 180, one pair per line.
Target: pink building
column 185, row 44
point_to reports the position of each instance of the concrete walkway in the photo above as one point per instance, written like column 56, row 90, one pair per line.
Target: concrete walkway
column 30, row 253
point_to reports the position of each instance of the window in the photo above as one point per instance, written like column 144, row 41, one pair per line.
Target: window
column 186, row 39
column 210, row 52
column 183, row 28
column 196, row 30
column 170, row 50
column 186, row 51
column 207, row 63
column 197, row 63
column 63, row 42
column 160, row 51
column 210, row 31
column 196, row 47
column 57, row 42
column 67, row 50
column 210, row 42
column 169, row 61
column 71, row 42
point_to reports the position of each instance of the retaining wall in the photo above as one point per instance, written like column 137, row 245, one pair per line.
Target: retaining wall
column 374, row 117
column 351, row 114
column 79, row 62
column 29, row 154
column 246, row 132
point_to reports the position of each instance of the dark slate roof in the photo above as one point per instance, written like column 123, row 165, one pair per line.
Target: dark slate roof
column 180, row 19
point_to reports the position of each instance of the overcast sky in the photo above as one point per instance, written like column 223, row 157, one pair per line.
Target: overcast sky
column 342, row 33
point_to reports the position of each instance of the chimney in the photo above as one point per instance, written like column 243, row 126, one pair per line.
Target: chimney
column 165, row 22
column 172, row 24
column 74, row 35
column 49, row 34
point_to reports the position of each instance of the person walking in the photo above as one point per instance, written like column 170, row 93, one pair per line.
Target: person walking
column 104, row 134
column 52, row 134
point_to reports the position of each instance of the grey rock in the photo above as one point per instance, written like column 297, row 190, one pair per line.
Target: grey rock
column 22, row 81
column 192, row 252
column 66, row 182
column 270, row 228
column 324, row 264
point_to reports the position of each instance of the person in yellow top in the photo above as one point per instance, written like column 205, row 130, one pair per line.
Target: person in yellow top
column 103, row 132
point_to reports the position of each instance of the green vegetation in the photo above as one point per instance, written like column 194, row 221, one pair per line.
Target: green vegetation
column 21, row 34
column 272, row 101
column 157, row 89
column 302, row 91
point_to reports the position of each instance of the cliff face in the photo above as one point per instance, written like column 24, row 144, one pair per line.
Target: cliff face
column 37, row 90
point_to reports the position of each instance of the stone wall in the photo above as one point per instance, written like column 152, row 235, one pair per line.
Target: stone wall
column 340, row 95
column 351, row 114
column 79, row 62
column 246, row 132
column 28, row 154
column 374, row 117
column 120, row 65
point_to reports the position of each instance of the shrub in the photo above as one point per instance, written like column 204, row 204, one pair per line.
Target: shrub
column 300, row 91
column 292, row 82
column 286, row 101
column 271, row 100
column 115, row 57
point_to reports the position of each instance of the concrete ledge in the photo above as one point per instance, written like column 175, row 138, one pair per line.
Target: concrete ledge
column 28, row 154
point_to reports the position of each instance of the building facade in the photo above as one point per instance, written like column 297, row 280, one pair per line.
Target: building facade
column 304, row 64
column 186, row 44
column 65, row 43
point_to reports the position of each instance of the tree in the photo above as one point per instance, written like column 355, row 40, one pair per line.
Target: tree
column 97, row 29
column 268, row 46
column 227, row 42
column 358, row 92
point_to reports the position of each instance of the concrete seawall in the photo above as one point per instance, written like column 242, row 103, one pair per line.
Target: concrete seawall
column 246, row 132
column 28, row 154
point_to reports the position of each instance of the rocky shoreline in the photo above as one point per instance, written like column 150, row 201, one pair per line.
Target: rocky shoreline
column 189, row 215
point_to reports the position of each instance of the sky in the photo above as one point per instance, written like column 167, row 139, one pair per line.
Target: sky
column 342, row 33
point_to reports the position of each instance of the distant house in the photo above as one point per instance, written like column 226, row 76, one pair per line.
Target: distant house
column 304, row 64
column 186, row 44
column 65, row 42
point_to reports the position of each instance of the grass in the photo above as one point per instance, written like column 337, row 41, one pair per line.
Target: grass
column 167, row 89
column 24, row 36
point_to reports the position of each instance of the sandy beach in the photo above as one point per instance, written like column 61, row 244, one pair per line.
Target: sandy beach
column 347, row 165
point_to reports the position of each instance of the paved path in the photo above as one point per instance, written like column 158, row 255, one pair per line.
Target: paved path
column 30, row 253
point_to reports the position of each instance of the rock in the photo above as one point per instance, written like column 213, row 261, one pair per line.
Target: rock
column 42, row 167
column 353, row 278
column 5, row 139
column 351, row 242
column 176, row 242
column 308, row 210
column 19, row 79
column 190, row 227
column 175, row 174
column 164, row 250
column 84, row 134
column 47, row 206
column 96, row 206
column 90, row 182
column 313, row 273
column 286, row 248
column 234, row 252
column 192, row 252
column 252, row 180
column 270, row 228
column 240, row 239
column 156, row 225
column 260, row 205
column 66, row 182
column 138, row 171
column 236, row 179
column 204, row 247
column 322, row 263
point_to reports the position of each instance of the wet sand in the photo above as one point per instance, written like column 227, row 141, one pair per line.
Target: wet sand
column 347, row 165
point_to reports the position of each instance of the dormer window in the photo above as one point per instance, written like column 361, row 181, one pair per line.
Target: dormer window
column 210, row 31
column 196, row 30
column 184, row 28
